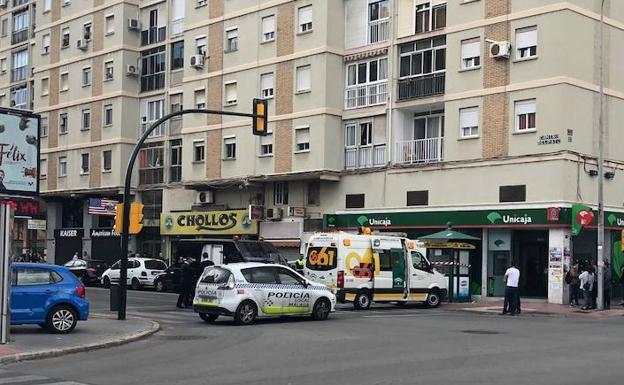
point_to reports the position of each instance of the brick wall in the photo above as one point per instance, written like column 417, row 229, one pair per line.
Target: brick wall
column 285, row 29
column 213, row 154
column 283, row 146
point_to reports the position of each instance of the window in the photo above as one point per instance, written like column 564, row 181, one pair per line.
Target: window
column 287, row 277
column 86, row 76
column 423, row 57
column 47, row 5
column 43, row 127
column 84, row 164
column 86, row 119
column 470, row 53
column 428, row 19
column 3, row 65
column 200, row 45
column 21, row 23
column 266, row 85
column 418, row 198
column 177, row 55
column 62, row 166
column 378, row 10
column 108, row 115
column 366, row 134
column 65, row 38
column 231, row 40
column 107, row 160
column 354, row 201
column 280, row 193
column 302, row 139
column 525, row 111
column 86, row 31
column 45, row 44
column 153, row 69
column 303, row 78
column 4, row 30
column 305, row 19
column 32, row 277
column 63, row 123
column 201, row 3
column 469, row 122
column 64, row 81
column 198, row 151
column 526, row 43
column 154, row 109
column 230, row 93
column 43, row 168
column 230, row 147
column 66, row 3
column 264, row 275
column 200, row 99
column 175, row 171
column 110, row 24
column 20, row 69
column 314, row 193
column 151, row 167
column 367, row 72
column 350, row 135
column 266, row 144
column 45, row 86
column 109, row 70
column 176, row 103
column 268, row 28
column 512, row 193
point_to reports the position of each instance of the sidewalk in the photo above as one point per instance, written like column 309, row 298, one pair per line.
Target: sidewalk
column 531, row 307
column 29, row 342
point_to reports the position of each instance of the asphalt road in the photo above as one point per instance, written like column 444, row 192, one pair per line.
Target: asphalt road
column 387, row 345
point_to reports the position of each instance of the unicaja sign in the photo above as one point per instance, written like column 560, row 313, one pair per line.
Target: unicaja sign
column 496, row 218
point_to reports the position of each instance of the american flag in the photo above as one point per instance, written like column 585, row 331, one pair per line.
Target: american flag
column 102, row 206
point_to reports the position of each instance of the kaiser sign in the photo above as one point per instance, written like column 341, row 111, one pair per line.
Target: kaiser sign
column 19, row 152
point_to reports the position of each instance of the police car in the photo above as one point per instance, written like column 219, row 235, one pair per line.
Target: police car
column 246, row 291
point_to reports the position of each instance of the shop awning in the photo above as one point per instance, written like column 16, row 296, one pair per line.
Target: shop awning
column 448, row 235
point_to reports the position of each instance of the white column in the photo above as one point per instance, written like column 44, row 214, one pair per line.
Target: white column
column 558, row 247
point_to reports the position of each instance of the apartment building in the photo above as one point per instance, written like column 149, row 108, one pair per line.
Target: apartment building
column 399, row 114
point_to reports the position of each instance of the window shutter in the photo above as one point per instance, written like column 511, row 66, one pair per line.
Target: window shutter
column 268, row 24
column 178, row 10
column 46, row 40
column 305, row 15
column 266, row 81
column 469, row 117
column 470, row 49
column 266, row 139
column 525, row 107
column 303, row 78
column 526, row 38
column 230, row 92
column 303, row 135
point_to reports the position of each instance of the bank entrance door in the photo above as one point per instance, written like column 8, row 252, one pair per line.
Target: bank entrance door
column 531, row 247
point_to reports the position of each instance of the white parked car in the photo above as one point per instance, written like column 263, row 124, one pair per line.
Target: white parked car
column 141, row 272
column 246, row 291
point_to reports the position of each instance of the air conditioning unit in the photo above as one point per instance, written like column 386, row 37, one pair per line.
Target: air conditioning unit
column 197, row 61
column 274, row 214
column 500, row 50
column 132, row 70
column 134, row 24
column 82, row 44
column 204, row 197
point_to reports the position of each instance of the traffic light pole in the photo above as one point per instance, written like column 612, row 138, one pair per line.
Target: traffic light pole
column 123, row 271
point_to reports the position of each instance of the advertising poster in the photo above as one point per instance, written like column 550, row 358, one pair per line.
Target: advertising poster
column 19, row 152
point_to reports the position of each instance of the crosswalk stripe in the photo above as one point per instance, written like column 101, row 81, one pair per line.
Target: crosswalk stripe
column 21, row 379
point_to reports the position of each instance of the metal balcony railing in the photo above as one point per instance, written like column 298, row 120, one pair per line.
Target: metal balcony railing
column 153, row 35
column 365, row 157
column 366, row 95
column 19, row 36
column 19, row 74
column 419, row 151
column 422, row 86
column 159, row 131
column 378, row 31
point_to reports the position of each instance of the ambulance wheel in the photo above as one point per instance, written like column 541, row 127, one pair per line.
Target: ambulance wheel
column 210, row 318
column 433, row 298
column 362, row 301
column 246, row 313
column 321, row 310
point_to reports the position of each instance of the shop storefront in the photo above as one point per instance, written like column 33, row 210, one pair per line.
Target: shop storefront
column 67, row 242
column 105, row 245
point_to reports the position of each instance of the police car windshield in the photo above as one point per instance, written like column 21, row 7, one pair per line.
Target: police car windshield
column 216, row 275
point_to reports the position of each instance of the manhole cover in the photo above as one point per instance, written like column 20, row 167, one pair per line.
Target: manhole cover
column 485, row 332
column 181, row 338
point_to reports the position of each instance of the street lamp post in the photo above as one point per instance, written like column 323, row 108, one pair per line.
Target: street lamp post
column 600, row 242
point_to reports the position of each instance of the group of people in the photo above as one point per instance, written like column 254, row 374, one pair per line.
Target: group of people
column 584, row 284
column 191, row 270
column 31, row 257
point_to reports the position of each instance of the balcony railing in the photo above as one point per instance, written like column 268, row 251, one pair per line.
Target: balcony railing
column 366, row 95
column 19, row 74
column 153, row 35
column 419, row 151
column 152, row 82
column 175, row 173
column 17, row 3
column 19, row 36
column 152, row 175
column 159, row 131
column 177, row 27
column 422, row 86
column 365, row 157
column 378, row 31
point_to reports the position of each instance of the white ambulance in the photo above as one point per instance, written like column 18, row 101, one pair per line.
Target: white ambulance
column 366, row 268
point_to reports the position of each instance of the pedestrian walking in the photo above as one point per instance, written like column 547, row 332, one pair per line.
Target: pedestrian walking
column 512, row 277
column 587, row 284
column 186, row 284
column 606, row 288
column 594, row 291
column 572, row 279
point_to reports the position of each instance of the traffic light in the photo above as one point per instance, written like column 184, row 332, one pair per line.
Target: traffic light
column 118, row 218
column 136, row 218
column 260, row 120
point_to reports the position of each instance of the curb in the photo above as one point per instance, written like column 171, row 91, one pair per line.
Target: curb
column 13, row 358
column 538, row 313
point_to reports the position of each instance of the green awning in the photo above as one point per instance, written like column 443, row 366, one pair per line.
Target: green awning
column 448, row 235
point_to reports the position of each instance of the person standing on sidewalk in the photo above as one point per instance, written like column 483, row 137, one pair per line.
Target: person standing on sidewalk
column 606, row 288
column 186, row 283
column 587, row 284
column 573, row 278
column 594, row 292
column 512, row 278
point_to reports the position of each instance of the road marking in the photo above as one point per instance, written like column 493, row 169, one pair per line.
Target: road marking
column 401, row 315
column 21, row 379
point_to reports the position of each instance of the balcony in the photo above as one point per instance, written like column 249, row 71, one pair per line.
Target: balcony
column 422, row 86
column 152, row 82
column 159, row 131
column 365, row 157
column 378, row 31
column 366, row 95
column 175, row 173
column 153, row 35
column 19, row 74
column 419, row 151
column 19, row 36
column 17, row 3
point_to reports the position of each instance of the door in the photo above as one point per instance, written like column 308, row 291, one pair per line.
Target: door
column 32, row 289
column 134, row 270
column 421, row 276
column 264, row 289
column 390, row 282
column 114, row 272
column 295, row 299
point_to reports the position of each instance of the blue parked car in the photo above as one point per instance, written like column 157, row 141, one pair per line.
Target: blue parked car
column 46, row 295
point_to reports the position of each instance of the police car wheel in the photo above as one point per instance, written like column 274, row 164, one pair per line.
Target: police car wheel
column 433, row 299
column 321, row 310
column 208, row 317
column 362, row 301
column 246, row 313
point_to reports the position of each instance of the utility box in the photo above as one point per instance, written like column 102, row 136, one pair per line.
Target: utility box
column 114, row 297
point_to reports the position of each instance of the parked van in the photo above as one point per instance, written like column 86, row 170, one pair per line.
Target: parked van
column 366, row 268
column 224, row 251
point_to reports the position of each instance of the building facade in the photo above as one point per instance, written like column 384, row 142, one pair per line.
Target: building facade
column 404, row 114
